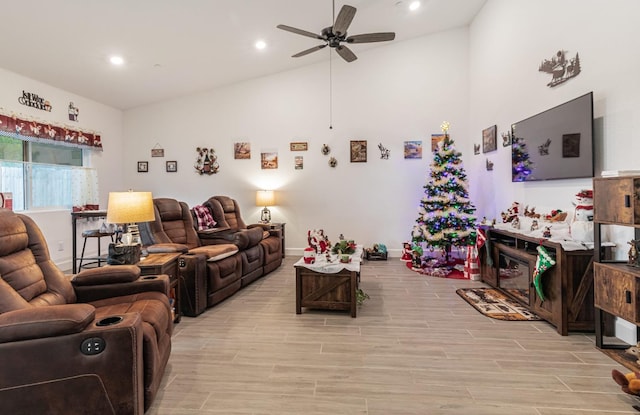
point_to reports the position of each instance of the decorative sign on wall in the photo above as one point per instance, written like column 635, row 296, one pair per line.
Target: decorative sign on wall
column 206, row 161
column 33, row 100
column 157, row 151
column 560, row 69
column 73, row 112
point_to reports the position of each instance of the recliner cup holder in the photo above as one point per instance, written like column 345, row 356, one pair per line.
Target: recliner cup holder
column 150, row 277
column 109, row 321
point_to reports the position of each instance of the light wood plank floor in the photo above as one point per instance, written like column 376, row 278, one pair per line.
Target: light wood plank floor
column 415, row 348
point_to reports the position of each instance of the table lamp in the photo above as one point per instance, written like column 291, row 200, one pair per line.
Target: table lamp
column 265, row 198
column 129, row 208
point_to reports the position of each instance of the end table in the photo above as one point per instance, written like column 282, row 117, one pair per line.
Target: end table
column 155, row 264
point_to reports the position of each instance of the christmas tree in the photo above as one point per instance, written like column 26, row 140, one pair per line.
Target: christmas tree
column 520, row 164
column 445, row 214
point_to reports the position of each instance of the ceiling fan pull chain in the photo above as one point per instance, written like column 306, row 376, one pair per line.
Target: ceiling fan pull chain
column 330, row 92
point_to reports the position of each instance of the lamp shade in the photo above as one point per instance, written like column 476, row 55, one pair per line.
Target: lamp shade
column 130, row 207
column 265, row 198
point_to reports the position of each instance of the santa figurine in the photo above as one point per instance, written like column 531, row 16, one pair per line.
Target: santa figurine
column 407, row 255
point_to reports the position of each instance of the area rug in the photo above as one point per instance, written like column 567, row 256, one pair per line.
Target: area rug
column 492, row 303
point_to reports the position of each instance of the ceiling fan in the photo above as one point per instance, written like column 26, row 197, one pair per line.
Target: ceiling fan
column 334, row 36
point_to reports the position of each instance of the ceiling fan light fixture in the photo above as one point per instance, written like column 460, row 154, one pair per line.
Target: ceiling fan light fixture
column 261, row 45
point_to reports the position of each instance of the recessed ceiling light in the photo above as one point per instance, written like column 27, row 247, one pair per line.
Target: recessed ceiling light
column 116, row 60
column 415, row 5
column 261, row 44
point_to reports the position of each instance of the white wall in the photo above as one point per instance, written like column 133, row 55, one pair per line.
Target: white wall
column 394, row 93
column 508, row 41
column 56, row 225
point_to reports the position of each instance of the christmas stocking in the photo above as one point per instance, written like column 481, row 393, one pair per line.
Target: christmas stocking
column 543, row 263
column 481, row 240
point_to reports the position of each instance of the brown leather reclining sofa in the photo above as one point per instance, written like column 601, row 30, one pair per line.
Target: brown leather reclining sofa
column 216, row 262
column 97, row 343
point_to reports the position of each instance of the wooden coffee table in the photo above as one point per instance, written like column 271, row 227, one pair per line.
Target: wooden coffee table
column 328, row 286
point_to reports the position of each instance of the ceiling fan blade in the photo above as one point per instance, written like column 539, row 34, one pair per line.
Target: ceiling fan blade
column 299, row 31
column 344, row 20
column 308, row 51
column 371, row 37
column 346, row 53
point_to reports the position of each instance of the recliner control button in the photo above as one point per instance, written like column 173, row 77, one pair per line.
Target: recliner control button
column 93, row 345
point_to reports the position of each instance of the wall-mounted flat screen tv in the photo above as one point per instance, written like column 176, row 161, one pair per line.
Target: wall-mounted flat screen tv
column 555, row 144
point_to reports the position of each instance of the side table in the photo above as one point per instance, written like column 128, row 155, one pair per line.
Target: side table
column 166, row 263
column 279, row 227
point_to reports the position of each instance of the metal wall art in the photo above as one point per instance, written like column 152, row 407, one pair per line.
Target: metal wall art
column 506, row 139
column 384, row 152
column 560, row 69
column 489, row 165
column 206, row 161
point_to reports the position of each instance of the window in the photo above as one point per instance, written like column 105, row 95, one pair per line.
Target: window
column 41, row 176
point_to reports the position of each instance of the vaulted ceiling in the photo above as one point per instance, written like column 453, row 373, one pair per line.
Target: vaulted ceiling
column 176, row 47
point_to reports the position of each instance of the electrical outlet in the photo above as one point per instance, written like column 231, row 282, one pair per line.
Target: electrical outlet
column 60, row 245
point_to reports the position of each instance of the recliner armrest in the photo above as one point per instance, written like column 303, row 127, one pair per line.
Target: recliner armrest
column 166, row 248
column 106, row 275
column 47, row 321
column 88, row 293
column 224, row 236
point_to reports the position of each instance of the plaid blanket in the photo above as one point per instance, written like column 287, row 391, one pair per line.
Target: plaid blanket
column 203, row 217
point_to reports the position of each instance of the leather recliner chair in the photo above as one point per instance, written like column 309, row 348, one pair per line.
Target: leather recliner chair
column 98, row 343
column 226, row 212
column 208, row 273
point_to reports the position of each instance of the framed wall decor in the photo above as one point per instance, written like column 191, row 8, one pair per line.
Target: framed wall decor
column 299, row 146
column 413, row 149
column 143, row 166
column 358, row 151
column 435, row 139
column 489, row 139
column 298, row 162
column 172, row 166
column 269, row 160
column 242, row 151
